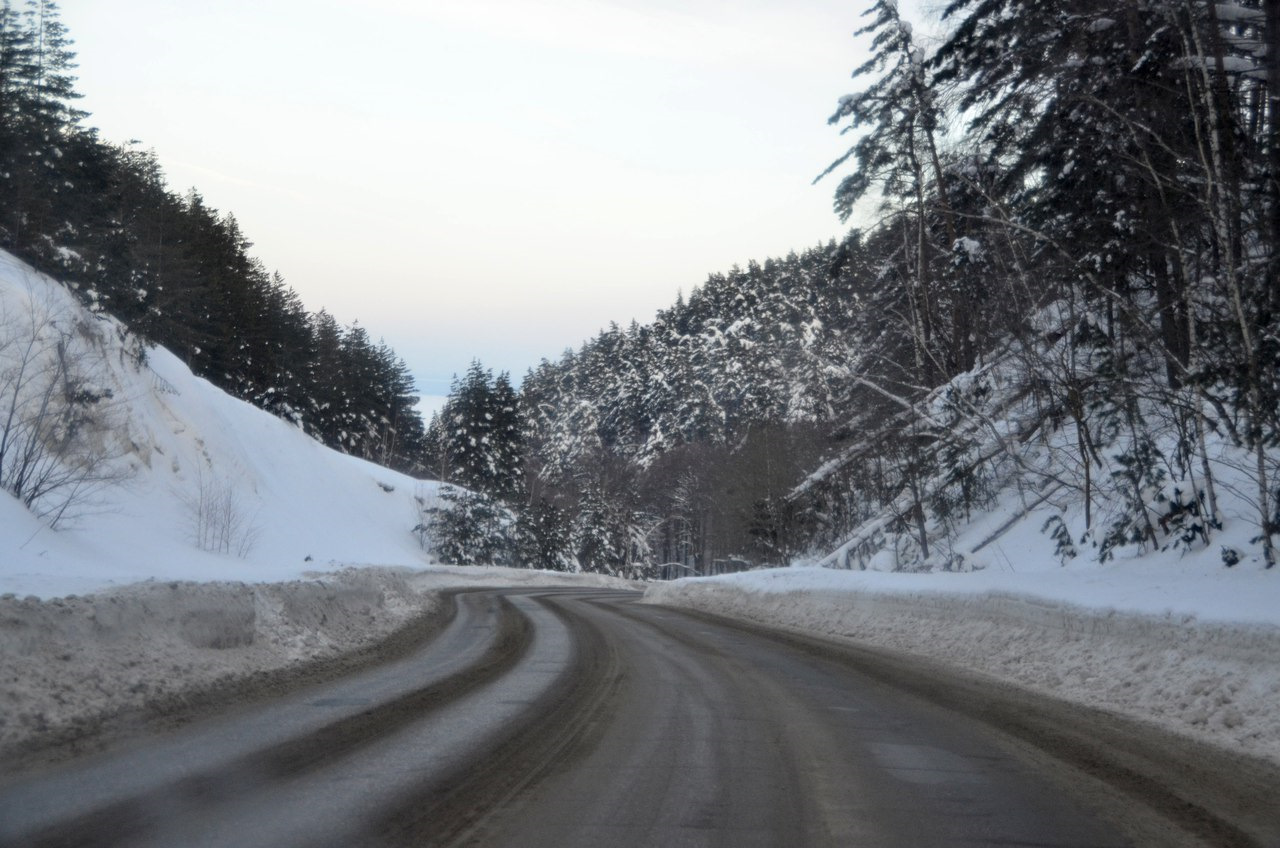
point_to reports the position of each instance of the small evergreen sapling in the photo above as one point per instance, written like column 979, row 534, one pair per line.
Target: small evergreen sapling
column 1064, row 547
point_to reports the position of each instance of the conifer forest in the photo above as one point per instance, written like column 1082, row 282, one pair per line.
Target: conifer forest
column 1061, row 287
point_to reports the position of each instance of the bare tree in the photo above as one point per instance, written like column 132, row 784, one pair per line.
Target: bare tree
column 219, row 521
column 57, row 420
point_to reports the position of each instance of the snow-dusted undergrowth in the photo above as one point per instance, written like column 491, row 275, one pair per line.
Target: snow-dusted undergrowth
column 1165, row 468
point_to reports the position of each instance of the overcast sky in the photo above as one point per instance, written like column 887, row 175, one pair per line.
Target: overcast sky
column 492, row 179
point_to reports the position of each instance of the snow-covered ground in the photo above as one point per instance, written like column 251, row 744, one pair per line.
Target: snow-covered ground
column 295, row 505
column 76, row 666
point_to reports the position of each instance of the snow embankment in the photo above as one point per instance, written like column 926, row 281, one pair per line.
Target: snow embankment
column 197, row 485
column 1214, row 679
column 79, row 667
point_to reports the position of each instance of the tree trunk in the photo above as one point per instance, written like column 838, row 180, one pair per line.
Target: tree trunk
column 1271, row 35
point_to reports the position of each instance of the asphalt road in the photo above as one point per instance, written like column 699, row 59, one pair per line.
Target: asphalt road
column 581, row 718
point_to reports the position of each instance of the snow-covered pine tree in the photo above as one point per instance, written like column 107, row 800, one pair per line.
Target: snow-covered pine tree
column 480, row 434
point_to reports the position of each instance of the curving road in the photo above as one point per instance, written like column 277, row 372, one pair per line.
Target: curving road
column 581, row 718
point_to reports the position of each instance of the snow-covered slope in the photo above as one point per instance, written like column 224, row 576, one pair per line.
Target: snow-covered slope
column 207, row 550
column 276, row 503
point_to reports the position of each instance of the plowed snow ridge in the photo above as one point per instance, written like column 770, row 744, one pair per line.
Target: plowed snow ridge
column 72, row 667
column 1217, row 681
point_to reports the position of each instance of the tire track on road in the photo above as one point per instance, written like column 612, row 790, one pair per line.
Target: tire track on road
column 134, row 817
column 455, row 810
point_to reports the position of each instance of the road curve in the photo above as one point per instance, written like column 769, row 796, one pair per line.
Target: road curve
column 581, row 718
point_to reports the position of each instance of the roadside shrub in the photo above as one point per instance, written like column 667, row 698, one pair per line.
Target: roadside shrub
column 219, row 522
column 468, row 528
column 57, row 421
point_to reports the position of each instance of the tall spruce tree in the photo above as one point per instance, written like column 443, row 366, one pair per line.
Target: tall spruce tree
column 478, row 433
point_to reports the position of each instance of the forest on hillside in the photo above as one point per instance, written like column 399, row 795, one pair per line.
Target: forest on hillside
column 176, row 272
column 1070, row 290
column 1064, row 285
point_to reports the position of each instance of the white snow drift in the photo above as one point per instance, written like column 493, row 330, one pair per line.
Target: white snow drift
column 189, row 456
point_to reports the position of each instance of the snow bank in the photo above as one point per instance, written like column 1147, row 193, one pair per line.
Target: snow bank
column 70, row 664
column 76, row 666
column 476, row 576
column 177, row 441
column 1213, row 679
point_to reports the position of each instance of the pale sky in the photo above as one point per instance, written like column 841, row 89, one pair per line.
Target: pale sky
column 489, row 179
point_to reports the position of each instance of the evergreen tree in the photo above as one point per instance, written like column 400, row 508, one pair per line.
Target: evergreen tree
column 543, row 538
column 480, row 430
column 470, row 528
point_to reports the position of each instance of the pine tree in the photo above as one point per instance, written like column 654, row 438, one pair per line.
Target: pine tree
column 543, row 537
column 36, row 121
column 482, row 431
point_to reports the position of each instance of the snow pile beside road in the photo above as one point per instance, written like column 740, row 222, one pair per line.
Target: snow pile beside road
column 69, row 665
column 1214, row 679
column 76, row 667
column 458, row 576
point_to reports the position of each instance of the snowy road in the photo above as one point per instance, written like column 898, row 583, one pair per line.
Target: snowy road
column 580, row 718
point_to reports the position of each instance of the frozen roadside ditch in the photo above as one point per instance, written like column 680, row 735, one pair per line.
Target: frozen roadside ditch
column 79, row 670
column 1216, row 681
